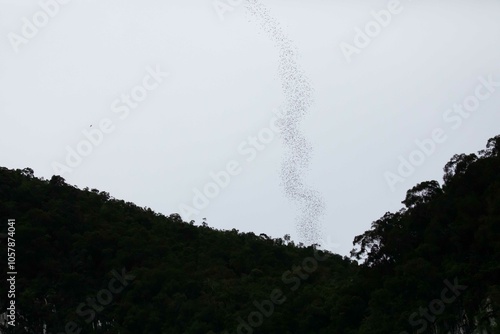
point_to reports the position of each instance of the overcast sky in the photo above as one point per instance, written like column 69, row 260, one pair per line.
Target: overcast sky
column 169, row 92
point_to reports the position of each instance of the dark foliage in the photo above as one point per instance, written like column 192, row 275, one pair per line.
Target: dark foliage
column 72, row 244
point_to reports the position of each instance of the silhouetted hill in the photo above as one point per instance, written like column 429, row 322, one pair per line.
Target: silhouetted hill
column 89, row 263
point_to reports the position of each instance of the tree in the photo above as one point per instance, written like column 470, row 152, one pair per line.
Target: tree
column 57, row 181
column 458, row 165
column 422, row 193
column 28, row 172
column 492, row 148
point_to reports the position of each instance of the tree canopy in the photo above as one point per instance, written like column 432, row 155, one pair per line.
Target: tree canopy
column 90, row 263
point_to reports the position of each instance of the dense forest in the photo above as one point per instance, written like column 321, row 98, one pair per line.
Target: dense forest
column 89, row 263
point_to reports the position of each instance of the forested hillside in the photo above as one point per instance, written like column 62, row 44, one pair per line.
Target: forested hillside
column 89, row 263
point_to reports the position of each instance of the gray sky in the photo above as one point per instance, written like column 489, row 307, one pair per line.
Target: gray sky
column 375, row 93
